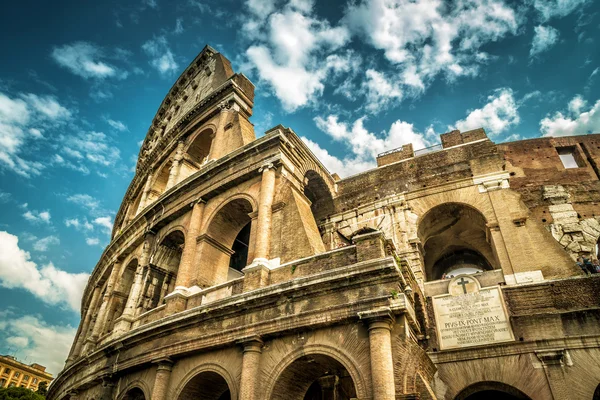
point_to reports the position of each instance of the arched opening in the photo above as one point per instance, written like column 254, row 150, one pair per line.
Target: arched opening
column 314, row 377
column 199, row 149
column 160, row 182
column 134, row 394
column 491, row 391
column 454, row 241
column 317, row 191
column 160, row 277
column 226, row 247
column 206, row 386
column 239, row 258
column 121, row 293
column 597, row 393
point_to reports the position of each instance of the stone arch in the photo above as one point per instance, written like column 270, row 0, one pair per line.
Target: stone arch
column 327, row 355
column 164, row 265
column 159, row 181
column 319, row 194
column 597, row 393
column 121, row 292
column 212, row 378
column 454, row 240
column 226, row 245
column 491, row 390
column 136, row 390
column 200, row 143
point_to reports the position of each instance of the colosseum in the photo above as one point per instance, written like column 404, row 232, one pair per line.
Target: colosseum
column 240, row 268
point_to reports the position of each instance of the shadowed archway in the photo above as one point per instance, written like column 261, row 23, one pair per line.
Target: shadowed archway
column 134, row 394
column 206, row 385
column 314, row 377
column 491, row 391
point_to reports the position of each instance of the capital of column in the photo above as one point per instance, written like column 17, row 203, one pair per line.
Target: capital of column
column 378, row 319
column 266, row 167
column 164, row 364
column 253, row 344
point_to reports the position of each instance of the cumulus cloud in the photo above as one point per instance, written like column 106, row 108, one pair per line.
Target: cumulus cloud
column 118, row 125
column 496, row 116
column 48, row 283
column 45, row 243
column 86, row 60
column 574, row 121
column 543, row 39
column 423, row 39
column 162, row 58
column 78, row 224
column 292, row 53
column 92, row 241
column 363, row 145
column 104, row 222
column 93, row 146
column 37, row 216
column 37, row 340
column 548, row 9
column 21, row 117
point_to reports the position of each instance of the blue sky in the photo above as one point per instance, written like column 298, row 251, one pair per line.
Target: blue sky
column 81, row 81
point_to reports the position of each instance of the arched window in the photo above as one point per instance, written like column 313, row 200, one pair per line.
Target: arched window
column 226, row 248
column 160, row 182
column 199, row 149
column 121, row 293
column 164, row 264
column 206, row 385
column 454, row 242
column 317, row 191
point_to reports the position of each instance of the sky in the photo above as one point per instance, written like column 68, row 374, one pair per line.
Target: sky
column 80, row 82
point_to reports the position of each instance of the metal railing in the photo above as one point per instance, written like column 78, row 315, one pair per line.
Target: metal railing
column 430, row 149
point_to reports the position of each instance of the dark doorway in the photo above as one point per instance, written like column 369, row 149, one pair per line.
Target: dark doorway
column 239, row 258
column 491, row 391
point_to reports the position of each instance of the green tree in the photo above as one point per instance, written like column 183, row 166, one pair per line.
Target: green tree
column 19, row 393
column 42, row 388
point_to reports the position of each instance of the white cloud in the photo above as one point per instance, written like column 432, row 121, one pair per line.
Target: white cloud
column 48, row 283
column 82, row 225
column 37, row 216
column 86, row 60
column 93, row 146
column 37, row 340
column 544, row 38
column 363, row 145
column 500, row 113
column 104, row 222
column 162, row 57
column 557, row 8
column 423, row 39
column 575, row 121
column 85, row 200
column 92, row 241
column 45, row 243
column 178, row 26
column 118, row 125
column 380, row 91
column 20, row 118
column 293, row 55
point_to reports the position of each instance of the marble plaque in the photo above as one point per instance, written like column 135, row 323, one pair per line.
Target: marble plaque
column 470, row 316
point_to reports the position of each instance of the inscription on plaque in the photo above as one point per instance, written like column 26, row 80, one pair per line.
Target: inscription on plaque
column 470, row 315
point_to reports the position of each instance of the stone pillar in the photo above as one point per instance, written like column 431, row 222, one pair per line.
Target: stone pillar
column 185, row 273
column 161, row 381
column 145, row 193
column 382, row 365
column 175, row 166
column 86, row 322
column 250, row 368
column 101, row 318
column 124, row 322
column 263, row 231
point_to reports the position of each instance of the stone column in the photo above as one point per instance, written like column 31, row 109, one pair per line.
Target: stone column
column 86, row 322
column 124, row 322
column 101, row 318
column 250, row 365
column 175, row 166
column 186, row 264
column 382, row 364
column 161, row 381
column 145, row 193
column 263, row 231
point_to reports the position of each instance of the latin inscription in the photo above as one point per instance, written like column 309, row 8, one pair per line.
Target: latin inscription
column 471, row 319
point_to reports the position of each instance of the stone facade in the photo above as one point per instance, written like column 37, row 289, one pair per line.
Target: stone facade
column 240, row 268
